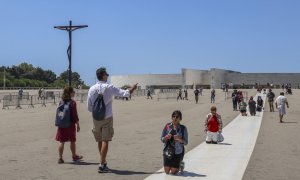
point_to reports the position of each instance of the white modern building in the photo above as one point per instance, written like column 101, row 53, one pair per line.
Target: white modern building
column 214, row 78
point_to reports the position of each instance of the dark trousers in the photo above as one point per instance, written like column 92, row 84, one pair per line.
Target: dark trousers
column 271, row 103
column 234, row 103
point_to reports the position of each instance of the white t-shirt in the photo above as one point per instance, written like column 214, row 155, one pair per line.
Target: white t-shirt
column 281, row 100
column 108, row 91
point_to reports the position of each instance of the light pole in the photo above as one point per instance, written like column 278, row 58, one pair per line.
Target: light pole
column 70, row 29
column 4, row 78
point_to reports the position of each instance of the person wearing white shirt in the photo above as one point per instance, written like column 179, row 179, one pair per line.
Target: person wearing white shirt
column 280, row 103
column 103, row 130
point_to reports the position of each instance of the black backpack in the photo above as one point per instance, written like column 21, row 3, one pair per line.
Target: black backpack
column 63, row 115
column 99, row 108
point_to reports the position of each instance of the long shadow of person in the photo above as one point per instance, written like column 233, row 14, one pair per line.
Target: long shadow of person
column 82, row 163
column 127, row 172
column 191, row 174
column 228, row 144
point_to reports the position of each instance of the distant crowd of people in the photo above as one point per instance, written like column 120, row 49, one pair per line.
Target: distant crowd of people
column 257, row 106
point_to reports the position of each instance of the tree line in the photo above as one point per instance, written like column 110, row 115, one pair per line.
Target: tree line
column 26, row 75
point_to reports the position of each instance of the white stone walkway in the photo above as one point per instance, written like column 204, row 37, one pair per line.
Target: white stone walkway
column 227, row 160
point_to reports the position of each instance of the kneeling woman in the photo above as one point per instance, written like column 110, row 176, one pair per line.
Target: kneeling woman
column 174, row 137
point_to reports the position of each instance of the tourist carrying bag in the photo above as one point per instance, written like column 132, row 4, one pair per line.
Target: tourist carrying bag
column 63, row 115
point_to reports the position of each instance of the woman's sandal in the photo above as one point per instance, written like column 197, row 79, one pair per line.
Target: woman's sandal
column 60, row 161
column 77, row 157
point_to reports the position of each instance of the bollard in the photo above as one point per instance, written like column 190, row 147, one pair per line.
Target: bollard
column 81, row 98
column 31, row 102
column 18, row 103
column 44, row 103
column 54, row 102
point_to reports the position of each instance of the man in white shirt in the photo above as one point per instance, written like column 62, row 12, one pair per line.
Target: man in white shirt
column 103, row 130
column 280, row 103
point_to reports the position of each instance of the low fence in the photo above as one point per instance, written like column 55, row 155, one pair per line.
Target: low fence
column 167, row 94
column 140, row 92
column 32, row 100
column 2, row 95
column 137, row 93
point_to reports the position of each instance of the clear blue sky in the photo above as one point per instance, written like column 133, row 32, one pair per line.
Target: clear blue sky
column 152, row 36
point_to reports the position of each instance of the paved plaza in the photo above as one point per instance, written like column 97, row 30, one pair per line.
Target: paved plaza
column 29, row 151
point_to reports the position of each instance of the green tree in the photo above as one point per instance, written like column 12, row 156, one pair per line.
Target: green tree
column 75, row 78
column 26, row 75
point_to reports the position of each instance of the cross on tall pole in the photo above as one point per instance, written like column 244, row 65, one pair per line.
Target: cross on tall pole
column 70, row 29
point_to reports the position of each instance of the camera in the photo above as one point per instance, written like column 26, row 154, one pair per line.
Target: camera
column 173, row 132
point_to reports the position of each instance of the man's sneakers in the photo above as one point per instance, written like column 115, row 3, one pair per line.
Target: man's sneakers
column 103, row 168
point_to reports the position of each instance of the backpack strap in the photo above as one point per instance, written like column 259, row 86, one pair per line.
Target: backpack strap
column 182, row 128
column 167, row 127
column 99, row 91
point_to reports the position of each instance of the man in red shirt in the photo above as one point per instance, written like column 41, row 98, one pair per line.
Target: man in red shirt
column 213, row 126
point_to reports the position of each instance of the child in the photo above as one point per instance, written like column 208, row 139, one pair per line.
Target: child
column 213, row 126
column 243, row 108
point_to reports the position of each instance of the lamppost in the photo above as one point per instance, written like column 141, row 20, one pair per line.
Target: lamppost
column 70, row 29
column 4, row 78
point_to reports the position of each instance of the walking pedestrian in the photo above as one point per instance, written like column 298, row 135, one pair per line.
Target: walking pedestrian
column 196, row 92
column 280, row 103
column 149, row 94
column 20, row 93
column 212, row 96
column 179, row 95
column 40, row 94
column 185, row 94
column 103, row 129
column 271, row 97
column 234, row 97
column 64, row 135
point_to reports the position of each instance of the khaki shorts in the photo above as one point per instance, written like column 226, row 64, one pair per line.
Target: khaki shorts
column 103, row 130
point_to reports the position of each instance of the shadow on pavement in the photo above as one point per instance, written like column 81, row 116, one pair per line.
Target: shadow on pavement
column 288, row 122
column 191, row 174
column 82, row 163
column 227, row 144
column 126, row 172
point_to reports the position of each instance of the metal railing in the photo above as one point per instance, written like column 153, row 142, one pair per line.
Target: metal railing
column 140, row 92
column 167, row 94
column 32, row 100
